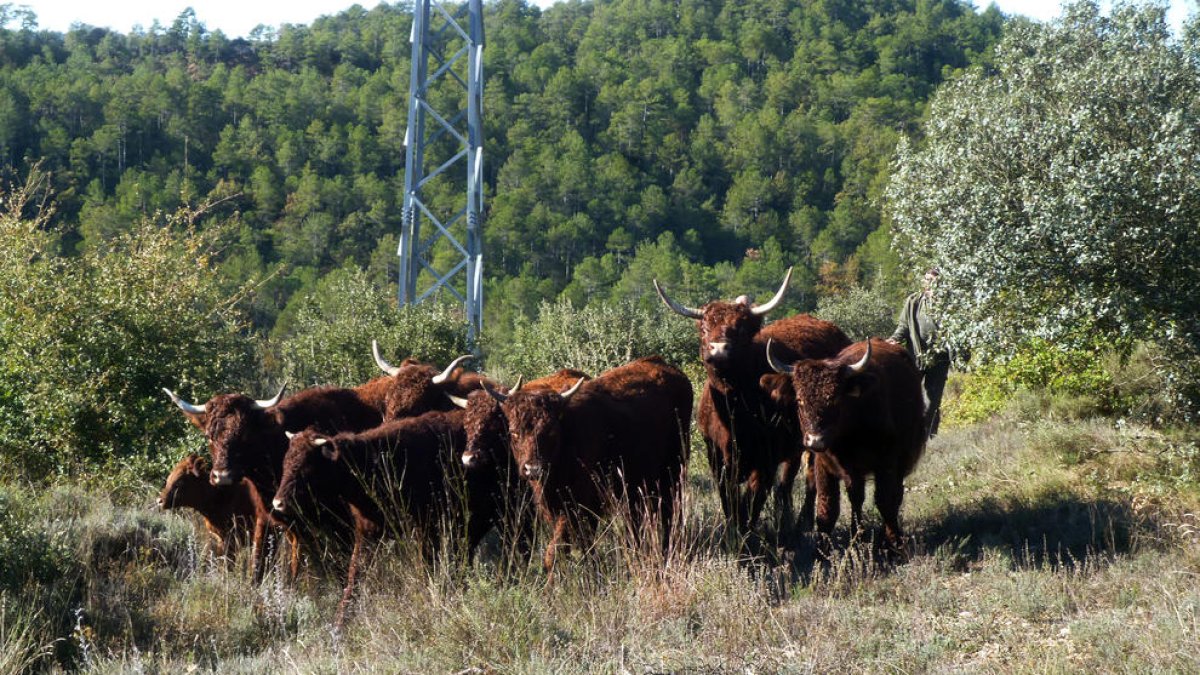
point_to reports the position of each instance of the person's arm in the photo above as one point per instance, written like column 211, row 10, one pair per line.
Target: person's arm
column 901, row 335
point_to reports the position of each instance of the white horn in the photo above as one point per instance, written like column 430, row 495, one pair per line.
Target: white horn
column 289, row 435
column 682, row 310
column 458, row 401
column 445, row 374
column 383, row 365
column 862, row 363
column 272, row 402
column 574, row 388
column 184, row 405
column 776, row 365
column 516, row 387
column 770, row 304
column 320, row 441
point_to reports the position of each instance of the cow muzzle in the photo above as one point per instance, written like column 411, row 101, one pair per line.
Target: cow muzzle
column 533, row 470
column 162, row 504
column 814, row 442
column 279, row 505
column 470, row 459
column 220, row 477
column 717, row 351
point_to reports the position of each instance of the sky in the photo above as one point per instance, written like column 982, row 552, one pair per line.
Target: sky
column 236, row 18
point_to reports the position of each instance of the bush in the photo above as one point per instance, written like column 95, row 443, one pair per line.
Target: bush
column 860, row 312
column 325, row 335
column 594, row 339
column 87, row 342
column 1072, row 375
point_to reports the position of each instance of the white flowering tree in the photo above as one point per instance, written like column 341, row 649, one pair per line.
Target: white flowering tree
column 1059, row 188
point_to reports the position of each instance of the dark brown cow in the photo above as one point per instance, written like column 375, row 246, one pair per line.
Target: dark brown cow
column 748, row 438
column 863, row 414
column 415, row 388
column 488, row 456
column 247, row 440
column 401, row 472
column 622, row 437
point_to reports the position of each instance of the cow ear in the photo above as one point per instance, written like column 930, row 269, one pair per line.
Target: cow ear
column 200, row 467
column 329, row 451
column 778, row 388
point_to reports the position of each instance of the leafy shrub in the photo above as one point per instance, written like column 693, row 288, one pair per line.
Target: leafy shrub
column 1038, row 366
column 87, row 342
column 325, row 335
column 594, row 339
column 860, row 312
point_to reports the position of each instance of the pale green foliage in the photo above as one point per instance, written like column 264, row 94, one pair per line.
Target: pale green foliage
column 593, row 339
column 860, row 312
column 87, row 343
column 1059, row 191
column 325, row 335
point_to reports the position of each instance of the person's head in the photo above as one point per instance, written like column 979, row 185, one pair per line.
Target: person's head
column 930, row 281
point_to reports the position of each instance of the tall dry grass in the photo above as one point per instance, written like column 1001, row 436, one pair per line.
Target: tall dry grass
column 1037, row 545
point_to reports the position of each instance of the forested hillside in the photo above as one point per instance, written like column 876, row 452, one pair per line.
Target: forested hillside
column 710, row 143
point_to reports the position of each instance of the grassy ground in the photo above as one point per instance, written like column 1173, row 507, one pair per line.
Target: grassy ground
column 1039, row 544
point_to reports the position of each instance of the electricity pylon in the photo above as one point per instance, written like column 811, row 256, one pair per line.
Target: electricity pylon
column 451, row 139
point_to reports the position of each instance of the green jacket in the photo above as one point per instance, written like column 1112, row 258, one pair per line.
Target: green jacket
column 918, row 332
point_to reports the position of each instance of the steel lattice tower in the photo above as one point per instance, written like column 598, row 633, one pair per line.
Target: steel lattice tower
column 451, row 139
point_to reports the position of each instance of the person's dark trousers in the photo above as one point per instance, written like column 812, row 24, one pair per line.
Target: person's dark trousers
column 934, row 382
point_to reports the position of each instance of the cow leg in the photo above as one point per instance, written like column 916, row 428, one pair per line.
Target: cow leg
column 258, row 555
column 557, row 538
column 359, row 557
column 829, row 498
column 889, row 495
column 810, row 493
column 294, row 560
column 757, row 490
column 856, row 490
column 784, row 506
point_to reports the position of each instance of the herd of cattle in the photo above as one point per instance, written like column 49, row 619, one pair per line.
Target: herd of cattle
column 429, row 449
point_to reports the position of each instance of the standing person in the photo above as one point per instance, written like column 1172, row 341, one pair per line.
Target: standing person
column 917, row 330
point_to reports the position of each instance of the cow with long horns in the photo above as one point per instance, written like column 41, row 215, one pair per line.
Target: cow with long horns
column 621, row 438
column 415, row 388
column 863, row 414
column 749, row 439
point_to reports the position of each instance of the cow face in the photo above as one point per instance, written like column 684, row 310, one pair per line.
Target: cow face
column 727, row 329
column 187, row 483
column 238, row 429
column 416, row 388
column 535, row 430
column 487, row 432
column 311, row 460
column 828, row 394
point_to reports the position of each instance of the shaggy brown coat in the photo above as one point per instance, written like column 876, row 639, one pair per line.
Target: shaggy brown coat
column 411, row 391
column 748, row 438
column 247, row 441
column 488, row 456
column 229, row 511
column 403, row 472
column 620, row 438
column 859, row 423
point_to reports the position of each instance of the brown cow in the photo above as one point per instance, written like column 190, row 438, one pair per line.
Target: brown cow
column 229, row 511
column 488, row 456
column 622, row 437
column 748, row 438
column 415, row 388
column 402, row 471
column 247, row 440
column 863, row 414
